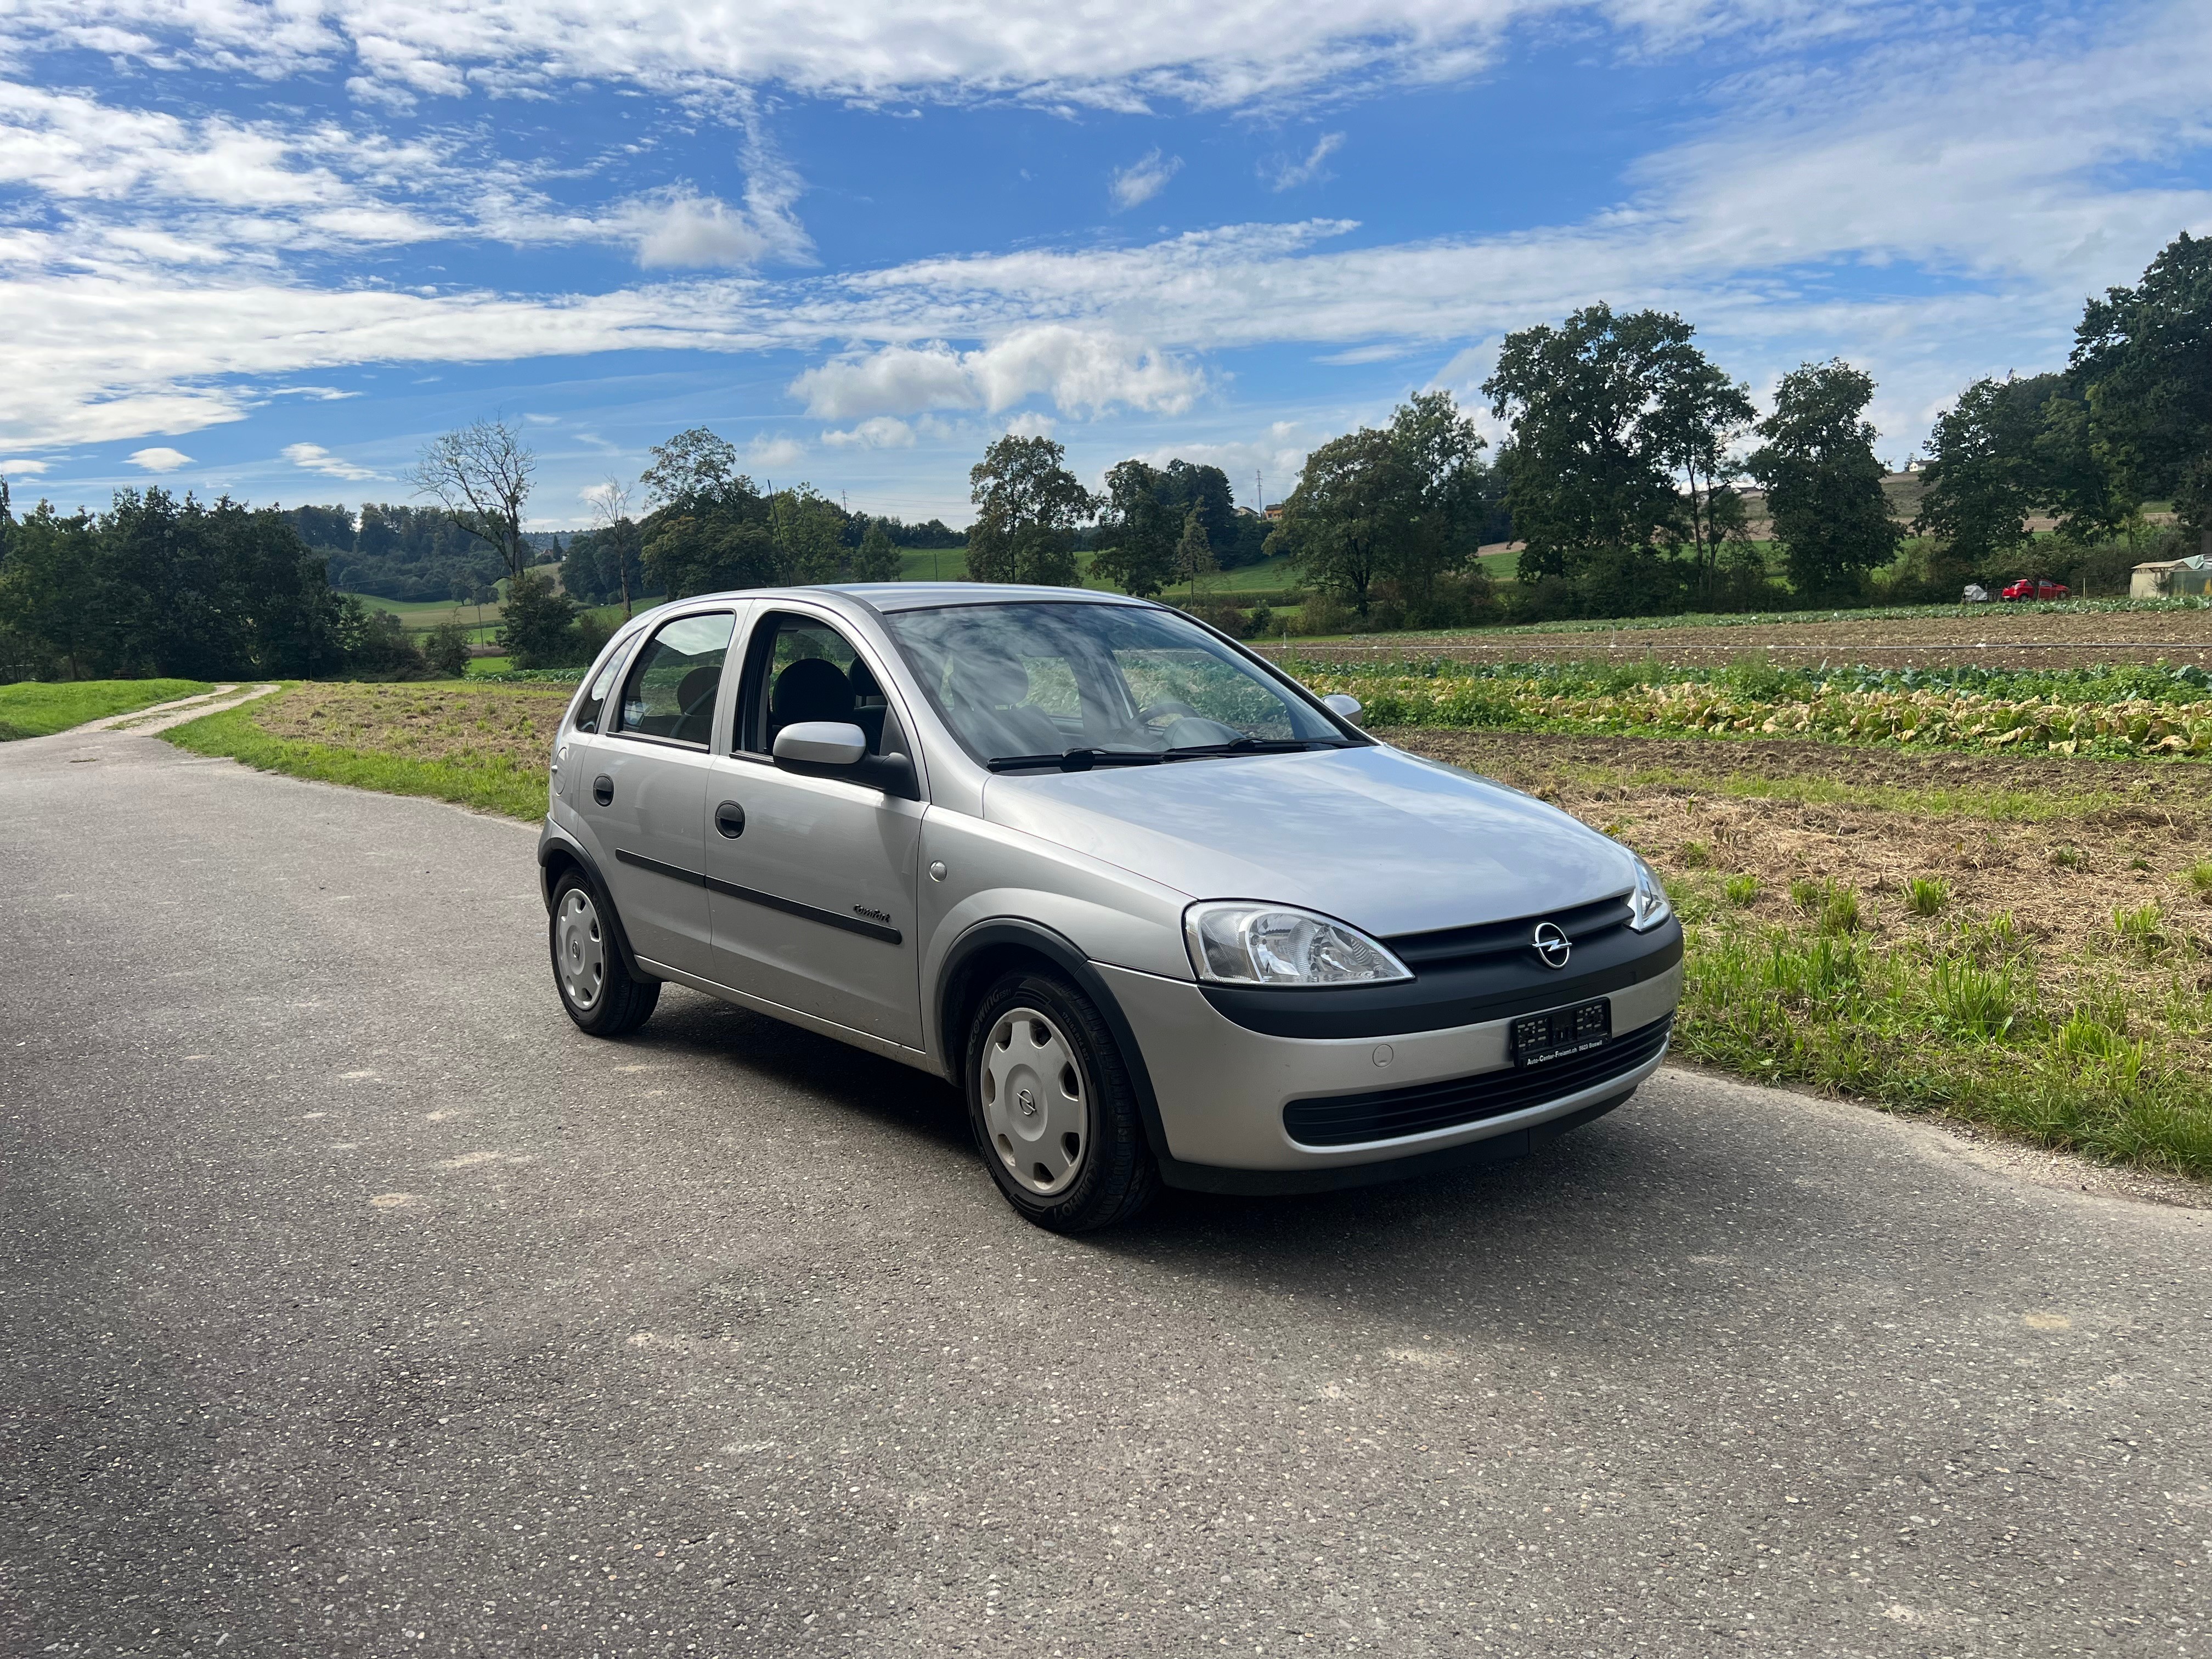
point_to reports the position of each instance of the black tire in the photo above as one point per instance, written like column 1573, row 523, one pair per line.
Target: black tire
column 1110, row 1175
column 599, row 994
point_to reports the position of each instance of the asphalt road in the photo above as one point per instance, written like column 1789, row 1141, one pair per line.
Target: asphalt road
column 351, row 1302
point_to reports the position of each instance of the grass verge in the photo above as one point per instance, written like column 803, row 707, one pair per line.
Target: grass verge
column 1957, row 1026
column 484, row 748
column 35, row 708
column 2016, row 942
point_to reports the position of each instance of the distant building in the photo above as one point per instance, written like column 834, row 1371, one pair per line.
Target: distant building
column 1272, row 514
column 2172, row 579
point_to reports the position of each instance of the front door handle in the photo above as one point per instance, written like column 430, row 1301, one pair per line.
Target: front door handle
column 603, row 790
column 729, row 819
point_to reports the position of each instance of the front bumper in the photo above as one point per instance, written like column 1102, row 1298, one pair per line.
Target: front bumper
column 1221, row 1087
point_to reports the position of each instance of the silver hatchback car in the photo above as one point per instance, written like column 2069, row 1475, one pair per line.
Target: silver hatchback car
column 1163, row 915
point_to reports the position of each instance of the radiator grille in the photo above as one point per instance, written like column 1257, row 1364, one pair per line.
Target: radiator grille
column 1385, row 1115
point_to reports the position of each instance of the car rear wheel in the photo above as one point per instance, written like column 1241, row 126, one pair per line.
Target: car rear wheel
column 1053, row 1107
column 599, row 994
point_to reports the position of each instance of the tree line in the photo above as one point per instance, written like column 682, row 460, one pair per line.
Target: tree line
column 157, row 586
column 1630, row 458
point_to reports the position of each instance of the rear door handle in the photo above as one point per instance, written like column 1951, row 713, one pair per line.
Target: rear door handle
column 603, row 790
column 729, row 819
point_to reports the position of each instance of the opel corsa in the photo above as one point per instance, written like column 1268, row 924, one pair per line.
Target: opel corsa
column 1164, row 916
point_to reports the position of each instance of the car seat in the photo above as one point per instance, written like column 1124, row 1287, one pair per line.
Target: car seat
column 994, row 693
column 695, row 704
column 811, row 689
column 868, row 705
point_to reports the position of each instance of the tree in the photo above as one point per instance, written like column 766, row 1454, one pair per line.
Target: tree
column 707, row 552
column 479, row 475
column 1338, row 520
column 1187, row 485
column 807, row 532
column 2144, row 356
column 1823, row 483
column 1193, row 554
column 1981, row 481
column 617, row 536
column 50, row 585
column 695, row 470
column 1403, row 504
column 1702, row 414
column 446, row 651
column 1140, row 529
column 877, row 559
column 536, row 628
column 1603, row 410
column 1029, row 504
column 1438, row 467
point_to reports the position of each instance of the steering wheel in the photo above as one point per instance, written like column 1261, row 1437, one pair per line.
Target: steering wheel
column 1152, row 714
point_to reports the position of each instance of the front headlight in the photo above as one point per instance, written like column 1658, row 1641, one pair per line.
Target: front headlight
column 1239, row 943
column 1647, row 905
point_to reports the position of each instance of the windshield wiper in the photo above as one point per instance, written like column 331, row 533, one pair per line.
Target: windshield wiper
column 1253, row 746
column 1074, row 760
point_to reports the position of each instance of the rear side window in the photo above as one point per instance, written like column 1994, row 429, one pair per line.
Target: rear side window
column 595, row 700
column 670, row 693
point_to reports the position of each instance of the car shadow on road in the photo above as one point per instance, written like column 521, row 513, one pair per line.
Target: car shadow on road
column 896, row 1097
column 1627, row 1200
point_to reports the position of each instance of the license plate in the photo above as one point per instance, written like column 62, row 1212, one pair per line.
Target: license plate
column 1541, row 1039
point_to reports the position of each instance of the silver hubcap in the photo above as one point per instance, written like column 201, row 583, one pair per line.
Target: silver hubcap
column 578, row 950
column 1033, row 1104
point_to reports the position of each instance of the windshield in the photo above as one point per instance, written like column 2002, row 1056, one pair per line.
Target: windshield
column 1098, row 684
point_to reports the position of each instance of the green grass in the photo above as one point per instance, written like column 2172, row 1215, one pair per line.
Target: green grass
column 32, row 708
column 1955, row 1028
column 1999, row 805
column 491, row 784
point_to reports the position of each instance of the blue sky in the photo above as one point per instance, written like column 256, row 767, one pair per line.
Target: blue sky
column 270, row 248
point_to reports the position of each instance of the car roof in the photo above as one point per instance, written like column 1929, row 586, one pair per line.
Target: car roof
column 916, row 596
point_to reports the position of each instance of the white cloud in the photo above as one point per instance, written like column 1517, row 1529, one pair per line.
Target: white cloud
column 313, row 458
column 2003, row 178
column 160, row 459
column 150, row 187
column 1283, row 174
column 882, row 432
column 1142, row 180
column 1085, row 371
column 1123, row 56
column 676, row 228
column 777, row 451
column 22, row 466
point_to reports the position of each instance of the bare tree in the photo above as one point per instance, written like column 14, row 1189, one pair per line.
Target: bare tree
column 480, row 474
column 611, row 508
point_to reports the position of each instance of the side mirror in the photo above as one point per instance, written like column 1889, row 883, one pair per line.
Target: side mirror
column 1339, row 703
column 822, row 743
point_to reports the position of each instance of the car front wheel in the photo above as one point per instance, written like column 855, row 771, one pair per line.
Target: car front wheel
column 599, row 994
column 1053, row 1107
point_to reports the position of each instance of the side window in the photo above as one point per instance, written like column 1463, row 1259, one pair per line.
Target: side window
column 802, row 668
column 595, row 700
column 671, row 689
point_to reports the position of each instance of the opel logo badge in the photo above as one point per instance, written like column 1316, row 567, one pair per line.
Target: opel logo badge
column 1027, row 1102
column 1552, row 945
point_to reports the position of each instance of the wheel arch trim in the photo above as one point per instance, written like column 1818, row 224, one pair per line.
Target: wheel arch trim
column 956, row 996
column 556, row 855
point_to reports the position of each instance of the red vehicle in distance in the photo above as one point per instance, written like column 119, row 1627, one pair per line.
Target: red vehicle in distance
column 2037, row 589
